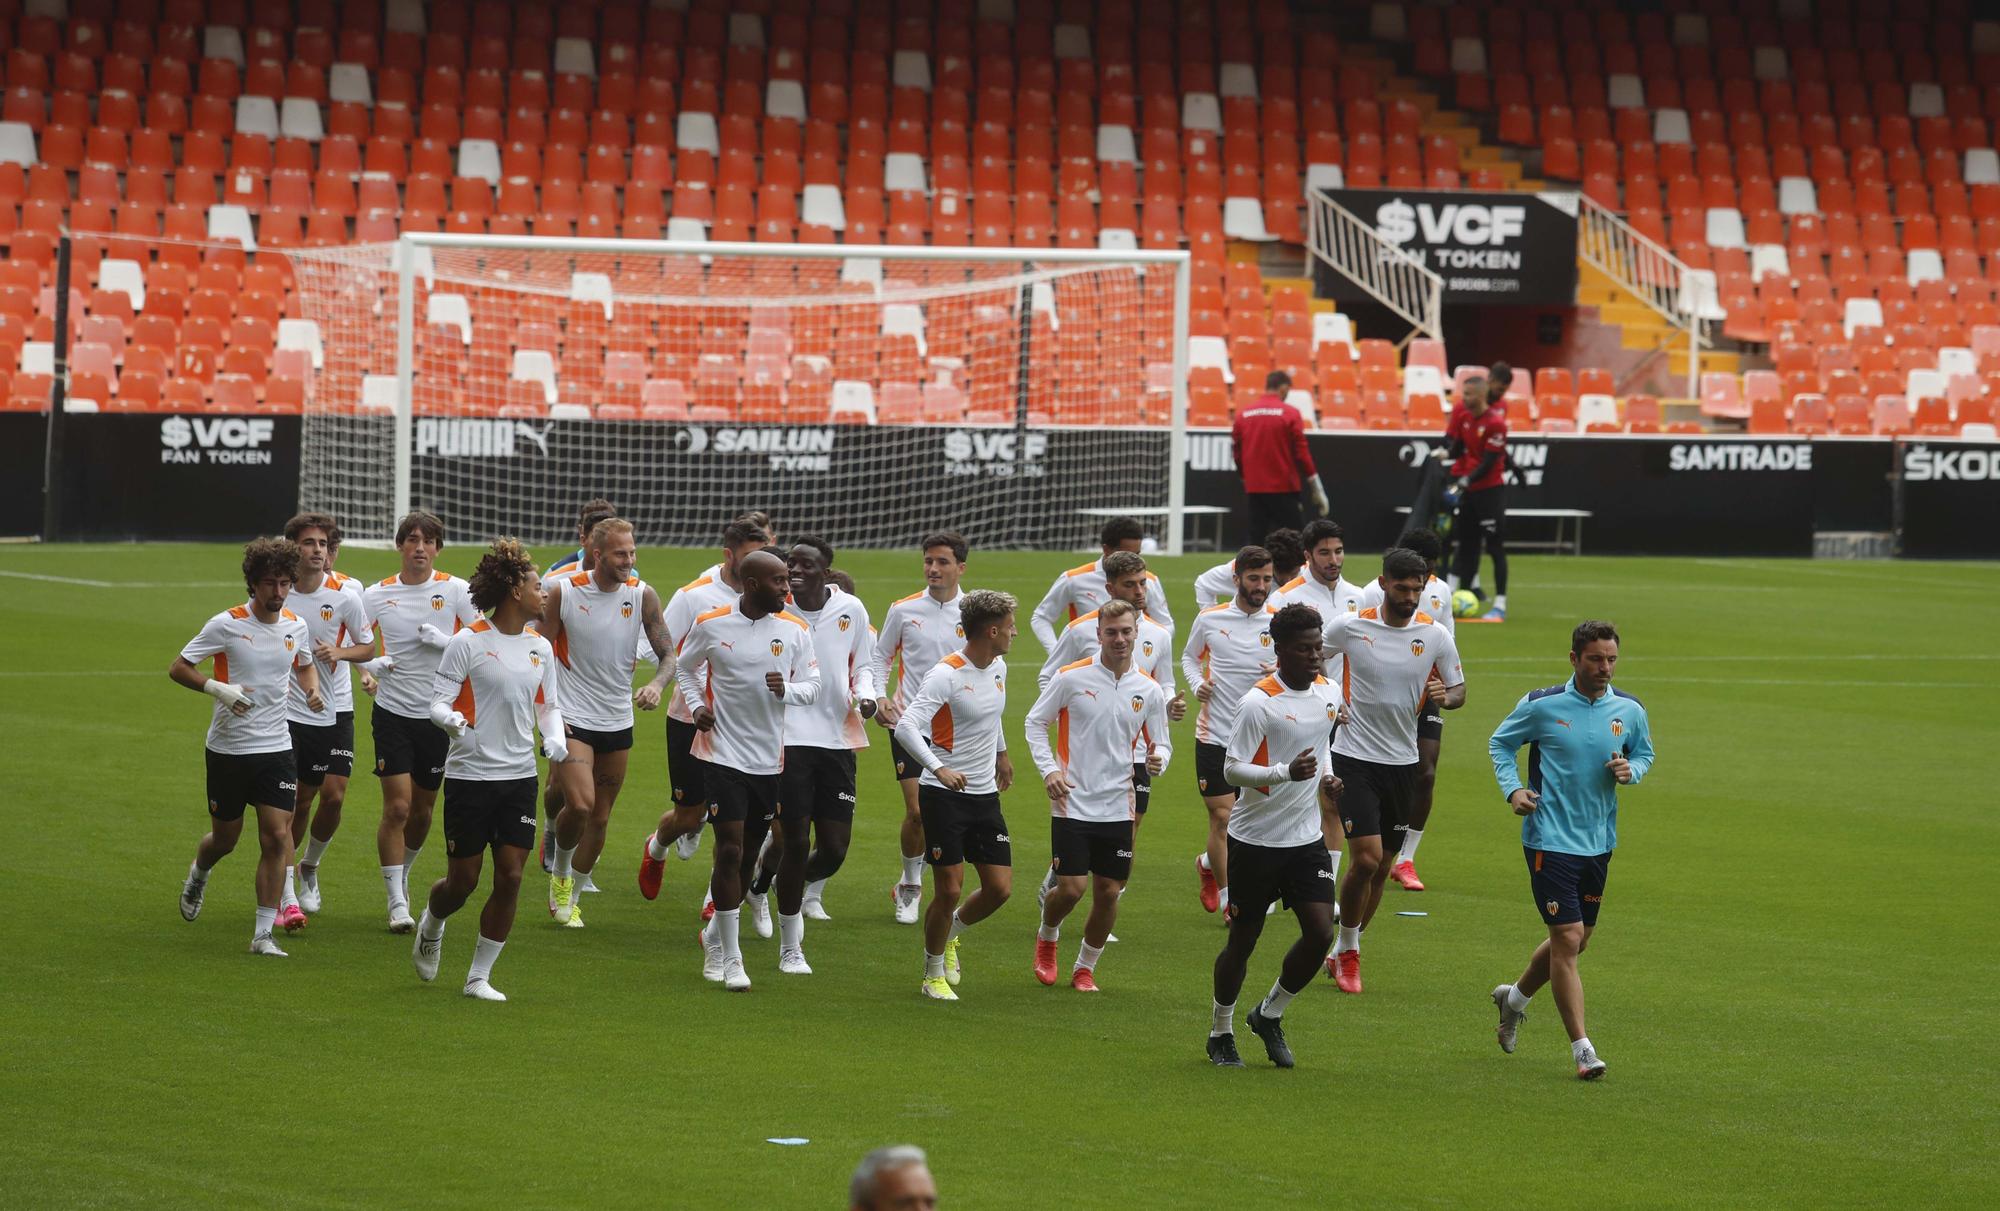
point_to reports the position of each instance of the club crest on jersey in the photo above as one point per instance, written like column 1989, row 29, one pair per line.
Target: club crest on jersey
column 844, row 623
column 777, row 647
column 1618, row 727
column 437, row 601
column 960, row 629
column 288, row 647
column 1416, row 647
column 326, row 613
column 1332, row 711
column 1263, row 639
column 998, row 682
column 625, row 610
column 1146, row 646
column 1138, row 703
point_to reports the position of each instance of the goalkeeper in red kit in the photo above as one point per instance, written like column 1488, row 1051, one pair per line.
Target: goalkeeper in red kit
column 1269, row 441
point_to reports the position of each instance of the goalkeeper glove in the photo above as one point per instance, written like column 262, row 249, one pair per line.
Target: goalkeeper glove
column 236, row 698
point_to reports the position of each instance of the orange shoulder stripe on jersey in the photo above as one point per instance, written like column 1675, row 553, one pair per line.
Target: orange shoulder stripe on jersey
column 695, row 584
column 1080, row 569
column 1320, row 679
column 1270, row 686
column 1295, row 582
column 580, row 579
column 911, row 597
column 1153, row 578
column 794, row 619
column 1227, row 605
column 1083, row 618
column 1423, row 617
column 955, row 660
column 464, row 705
column 717, row 612
column 1370, row 612
column 1085, row 663
column 239, row 611
column 480, row 626
column 335, row 580
column 437, row 576
column 631, row 582
column 560, row 646
column 1270, row 609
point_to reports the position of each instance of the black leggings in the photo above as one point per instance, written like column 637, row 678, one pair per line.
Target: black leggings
column 1482, row 517
column 1272, row 511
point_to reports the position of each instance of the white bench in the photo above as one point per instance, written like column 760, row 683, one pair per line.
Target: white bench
column 1564, row 543
column 1192, row 515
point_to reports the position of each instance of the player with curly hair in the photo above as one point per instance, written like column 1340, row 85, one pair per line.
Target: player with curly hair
column 495, row 686
column 259, row 648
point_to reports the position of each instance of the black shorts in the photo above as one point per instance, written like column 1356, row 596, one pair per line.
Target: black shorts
column 1208, row 779
column 1483, row 510
column 324, row 750
column 237, row 781
column 1260, row 875
column 1142, row 787
column 403, row 745
column 687, row 774
column 479, row 815
column 1568, row 887
column 734, row 796
column 960, row 828
column 1375, row 800
column 1430, row 723
column 1101, row 848
column 908, row 768
column 818, row 784
column 600, row 743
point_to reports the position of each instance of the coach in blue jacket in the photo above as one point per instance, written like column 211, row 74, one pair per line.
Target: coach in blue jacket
column 1584, row 739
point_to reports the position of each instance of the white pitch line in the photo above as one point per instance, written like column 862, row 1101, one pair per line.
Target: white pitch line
column 87, row 583
column 1809, row 682
column 1762, row 657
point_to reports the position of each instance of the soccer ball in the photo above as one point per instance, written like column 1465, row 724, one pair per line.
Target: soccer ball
column 1464, row 603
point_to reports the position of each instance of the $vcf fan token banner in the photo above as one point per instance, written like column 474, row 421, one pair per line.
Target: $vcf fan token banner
column 1488, row 247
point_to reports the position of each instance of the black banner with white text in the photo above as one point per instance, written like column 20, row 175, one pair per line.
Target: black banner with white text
column 1489, row 247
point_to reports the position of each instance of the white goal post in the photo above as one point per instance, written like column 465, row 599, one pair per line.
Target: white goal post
column 871, row 394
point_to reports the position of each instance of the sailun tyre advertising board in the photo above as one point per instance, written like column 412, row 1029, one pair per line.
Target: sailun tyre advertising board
column 1488, row 247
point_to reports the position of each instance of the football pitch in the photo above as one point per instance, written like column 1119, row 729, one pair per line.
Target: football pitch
column 1795, row 981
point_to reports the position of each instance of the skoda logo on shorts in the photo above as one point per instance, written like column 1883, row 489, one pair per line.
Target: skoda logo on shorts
column 1416, row 647
column 437, row 601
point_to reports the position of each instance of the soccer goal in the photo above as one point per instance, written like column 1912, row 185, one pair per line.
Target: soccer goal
column 869, row 394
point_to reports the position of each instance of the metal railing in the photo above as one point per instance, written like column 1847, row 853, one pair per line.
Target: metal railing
column 1681, row 295
column 1391, row 276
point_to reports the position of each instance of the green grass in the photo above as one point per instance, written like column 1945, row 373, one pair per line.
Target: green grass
column 1794, row 980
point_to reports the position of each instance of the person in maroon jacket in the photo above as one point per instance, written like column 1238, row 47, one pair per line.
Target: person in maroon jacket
column 1269, row 441
column 1477, row 438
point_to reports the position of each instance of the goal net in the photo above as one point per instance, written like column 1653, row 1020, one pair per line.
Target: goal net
column 868, row 394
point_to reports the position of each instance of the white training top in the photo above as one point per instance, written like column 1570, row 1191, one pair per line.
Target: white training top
column 1218, row 584
column 734, row 652
column 689, row 602
column 501, row 683
column 921, row 630
column 258, row 657
column 1384, row 679
column 333, row 614
column 595, row 649
column 1230, row 650
column 642, row 647
column 1152, row 655
column 1338, row 598
column 955, row 720
column 1436, row 601
column 396, row 610
column 1100, row 721
column 1274, row 724
column 840, row 635
column 1081, row 590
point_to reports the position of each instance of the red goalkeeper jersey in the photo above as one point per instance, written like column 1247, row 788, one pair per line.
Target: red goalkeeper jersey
column 1270, row 441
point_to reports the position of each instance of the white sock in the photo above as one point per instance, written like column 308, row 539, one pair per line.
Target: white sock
column 933, row 966
column 1500, row 601
column 791, row 931
column 1452, row 583
column 1336, row 856
column 1049, row 933
column 196, row 875
column 410, row 860
column 1276, row 1000
column 654, row 850
column 1087, row 956
column 1201, row 860
column 315, row 849
column 913, row 869
column 708, row 934
column 266, row 918
column 393, row 876
column 1222, row 901
column 1223, row 1019
column 290, row 896
column 484, row 953
column 565, row 861
column 1412, row 837
column 1516, row 999
column 726, row 925
column 1350, row 939
column 816, row 890
column 957, row 926
column 1580, row 1046
column 431, row 928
